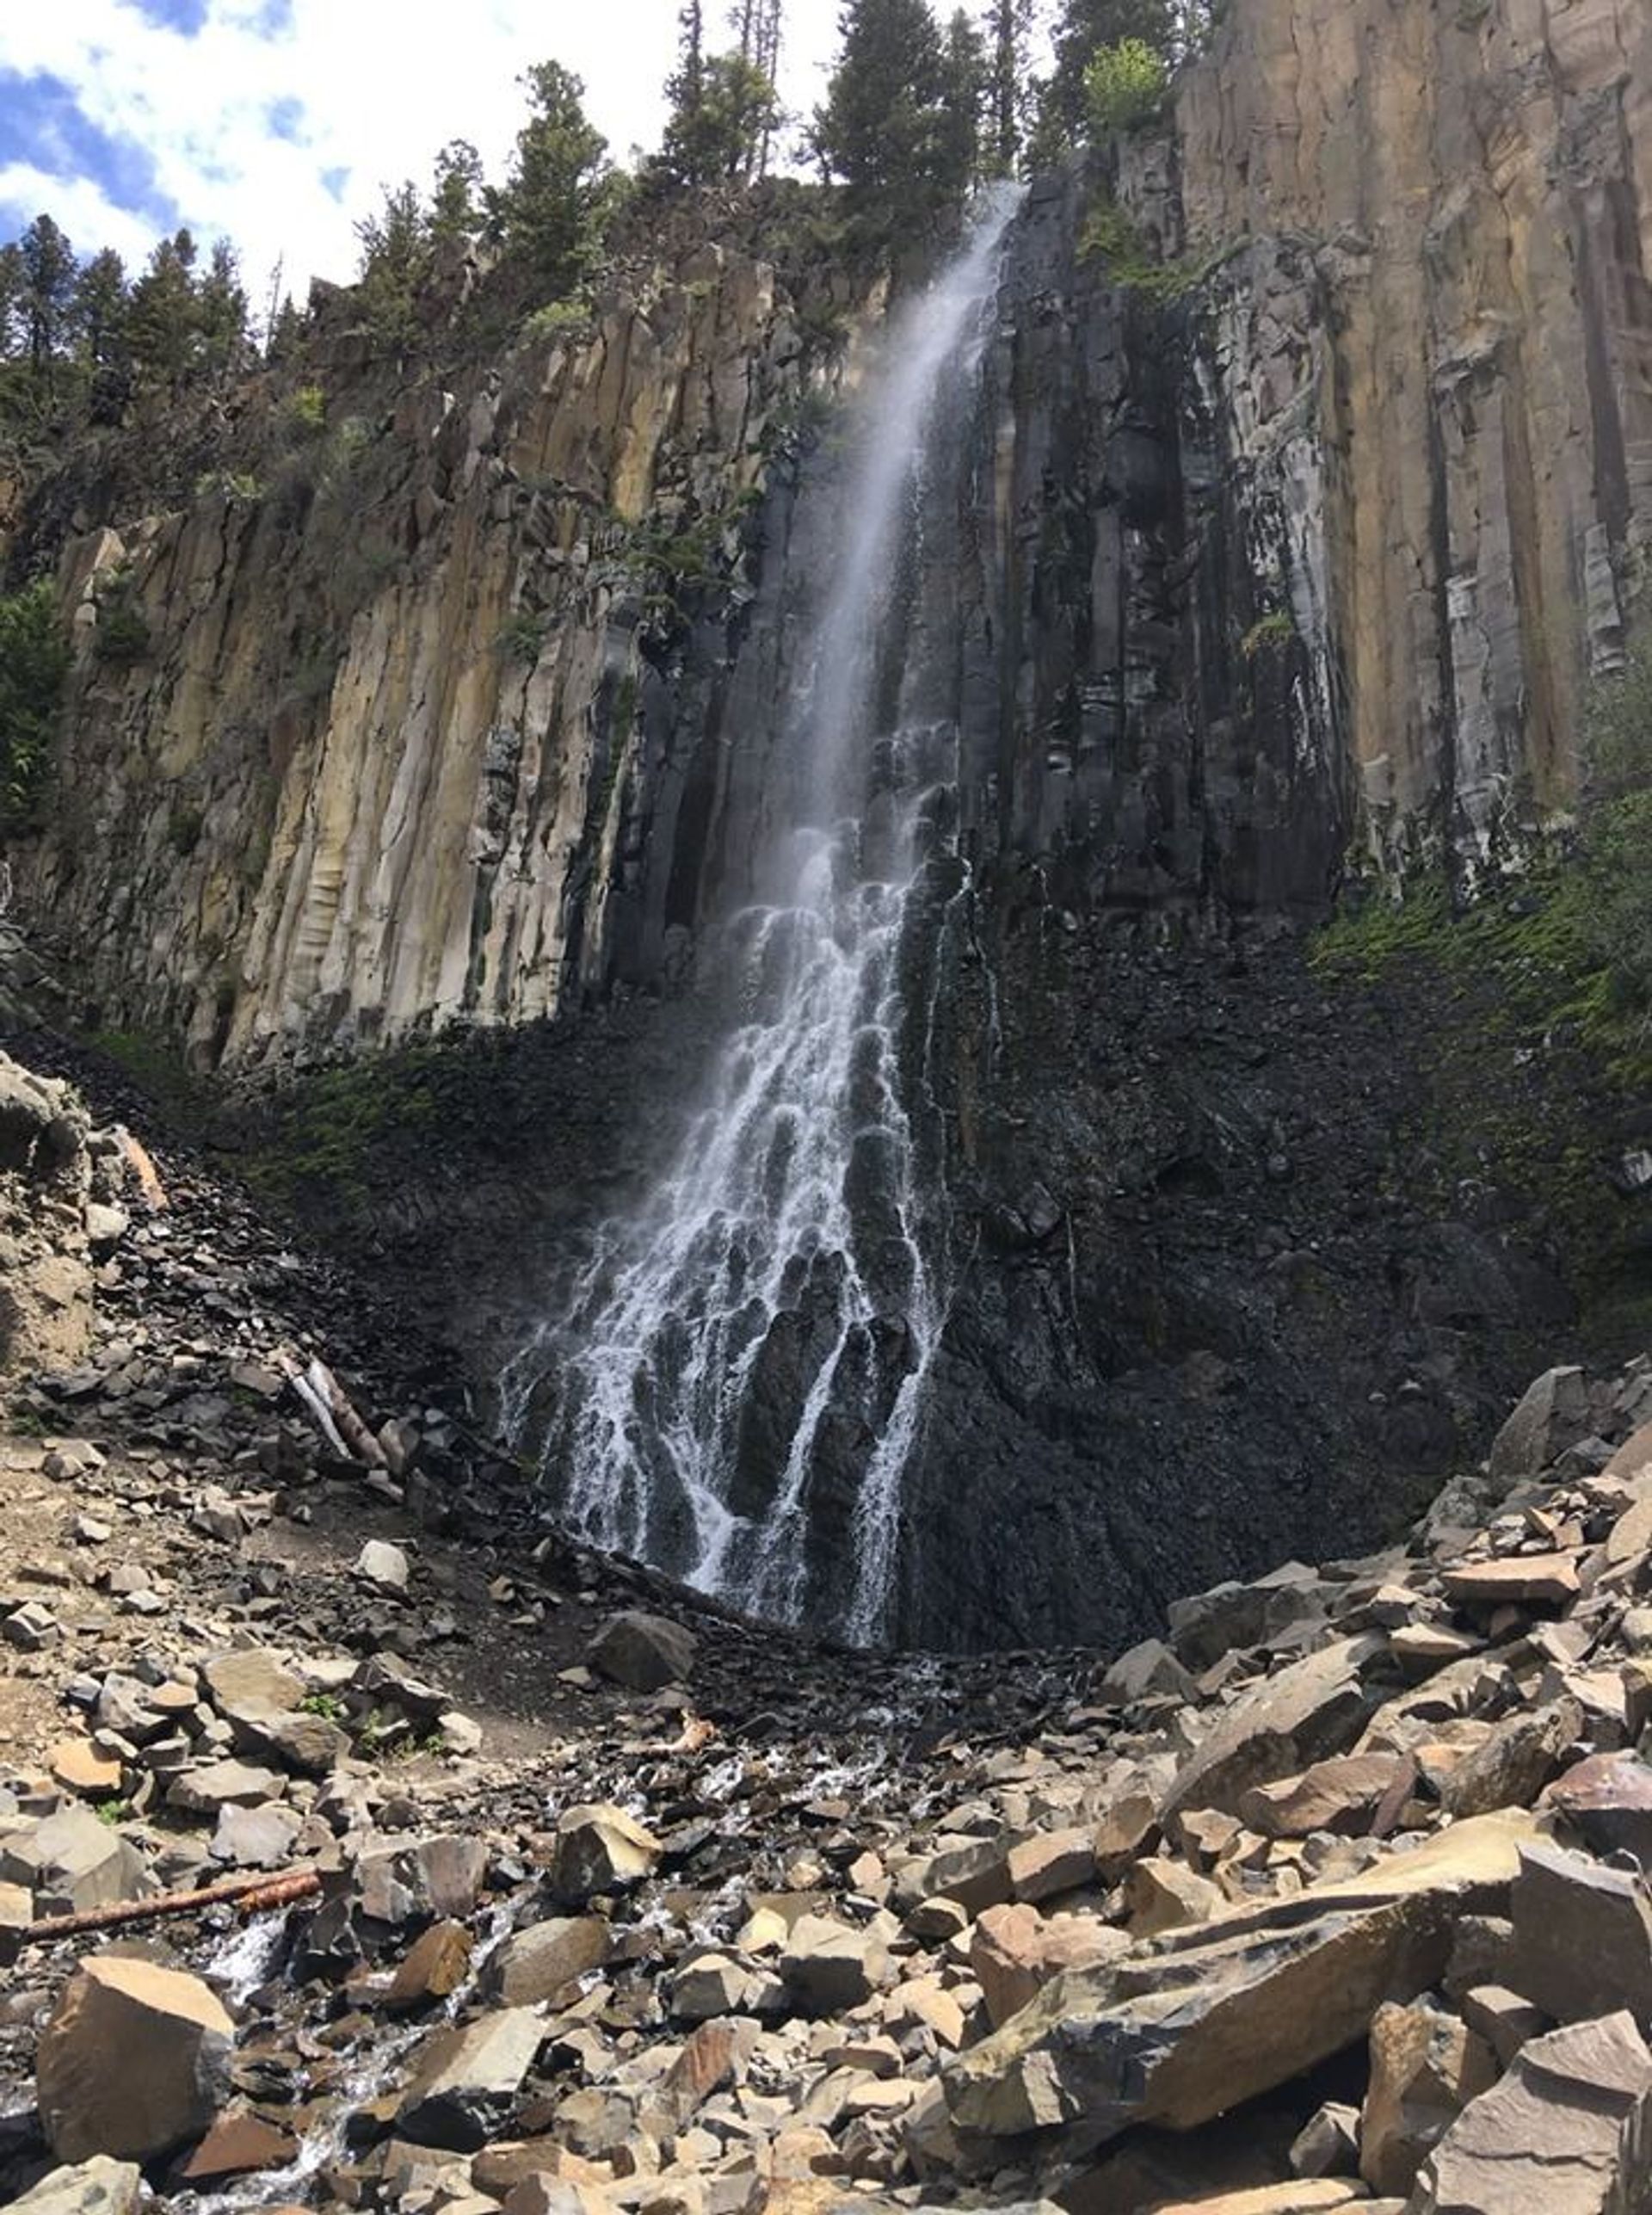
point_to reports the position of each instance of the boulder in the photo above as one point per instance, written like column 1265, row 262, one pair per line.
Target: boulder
column 1340, row 1795
column 1425, row 2068
column 465, row 2080
column 1552, row 1414
column 134, row 2059
column 534, row 1964
column 435, row 1964
column 1148, row 1671
column 97, row 2186
column 1015, row 1952
column 1302, row 1714
column 1051, row 1863
column 1514, row 1763
column 1188, row 2026
column 218, row 1785
column 829, row 1966
column 1582, row 1936
column 1129, row 1827
column 308, row 1744
column 1566, row 2131
column 250, row 1681
column 1208, row 1624
column 384, row 1566
column 599, row 1849
column 708, row 1986
column 1164, row 1895
column 1537, row 1580
column 1608, row 1799
column 642, row 1652
column 240, row 2143
column 73, row 1862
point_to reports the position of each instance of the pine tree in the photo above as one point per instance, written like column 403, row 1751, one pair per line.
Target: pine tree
column 100, row 311
column 13, row 285
column 162, row 329
column 456, row 197
column 880, row 129
column 48, row 263
column 1009, row 21
column 963, row 91
column 550, row 212
column 719, row 136
column 221, row 313
column 395, row 262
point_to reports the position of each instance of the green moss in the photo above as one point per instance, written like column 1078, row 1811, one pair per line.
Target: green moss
column 1535, row 1045
column 1271, row 631
column 325, row 1133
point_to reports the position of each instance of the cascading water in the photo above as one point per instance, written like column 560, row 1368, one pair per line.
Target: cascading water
column 737, row 1384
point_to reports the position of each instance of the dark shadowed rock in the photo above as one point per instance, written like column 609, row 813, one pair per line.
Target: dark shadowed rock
column 642, row 1652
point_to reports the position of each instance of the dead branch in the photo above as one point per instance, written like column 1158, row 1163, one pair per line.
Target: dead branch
column 254, row 1894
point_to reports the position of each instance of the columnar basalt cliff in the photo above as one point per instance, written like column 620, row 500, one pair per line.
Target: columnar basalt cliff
column 1306, row 485
column 1468, row 191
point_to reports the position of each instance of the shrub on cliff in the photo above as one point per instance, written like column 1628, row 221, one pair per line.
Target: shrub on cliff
column 34, row 660
column 1124, row 87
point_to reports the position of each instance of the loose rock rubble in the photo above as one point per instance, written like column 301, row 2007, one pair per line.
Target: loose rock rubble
column 1333, row 1896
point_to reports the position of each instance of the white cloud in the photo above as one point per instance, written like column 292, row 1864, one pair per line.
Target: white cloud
column 373, row 87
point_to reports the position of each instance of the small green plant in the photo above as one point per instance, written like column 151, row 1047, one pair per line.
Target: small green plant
column 228, row 485
column 1270, row 633
column 303, row 412
column 558, row 318
column 327, row 1705
column 35, row 659
column 520, row 637
column 183, row 828
column 1125, row 86
column 113, row 1811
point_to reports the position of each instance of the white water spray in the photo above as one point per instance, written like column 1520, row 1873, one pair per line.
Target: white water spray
column 745, row 1358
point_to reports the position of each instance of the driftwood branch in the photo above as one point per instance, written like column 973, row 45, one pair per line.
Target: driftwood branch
column 254, row 1894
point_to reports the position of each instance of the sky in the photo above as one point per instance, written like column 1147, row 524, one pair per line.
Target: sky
column 277, row 123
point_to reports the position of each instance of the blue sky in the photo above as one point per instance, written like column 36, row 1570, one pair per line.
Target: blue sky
column 278, row 122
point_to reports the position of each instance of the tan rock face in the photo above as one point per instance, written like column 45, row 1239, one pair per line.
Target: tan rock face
column 134, row 2060
column 1478, row 183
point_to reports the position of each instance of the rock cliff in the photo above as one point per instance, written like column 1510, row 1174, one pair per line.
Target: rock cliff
column 1309, row 485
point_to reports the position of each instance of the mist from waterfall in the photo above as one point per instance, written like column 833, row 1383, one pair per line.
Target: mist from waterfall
column 738, row 1380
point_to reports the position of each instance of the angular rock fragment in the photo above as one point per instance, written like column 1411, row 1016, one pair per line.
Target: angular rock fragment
column 1582, row 1936
column 1015, row 1952
column 465, row 2080
column 642, row 1652
column 1340, row 1795
column 1566, row 2131
column 1514, row 1763
column 535, row 1963
column 829, row 1966
column 599, row 1849
column 1548, row 1580
column 1187, row 2026
column 1302, row 1714
column 73, row 1862
column 97, row 2186
column 1608, row 1799
column 1425, row 2068
column 133, row 2060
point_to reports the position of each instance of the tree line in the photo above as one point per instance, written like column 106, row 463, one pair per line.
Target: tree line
column 918, row 112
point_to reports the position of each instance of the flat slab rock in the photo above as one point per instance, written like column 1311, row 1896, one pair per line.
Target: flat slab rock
column 1181, row 2031
column 1565, row 2131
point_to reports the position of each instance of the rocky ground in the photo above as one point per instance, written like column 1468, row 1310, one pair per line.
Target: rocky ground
column 557, row 1891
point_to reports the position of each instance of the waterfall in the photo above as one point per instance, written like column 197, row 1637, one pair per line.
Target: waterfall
column 738, row 1381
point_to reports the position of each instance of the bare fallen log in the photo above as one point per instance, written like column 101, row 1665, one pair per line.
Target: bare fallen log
column 253, row 1894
